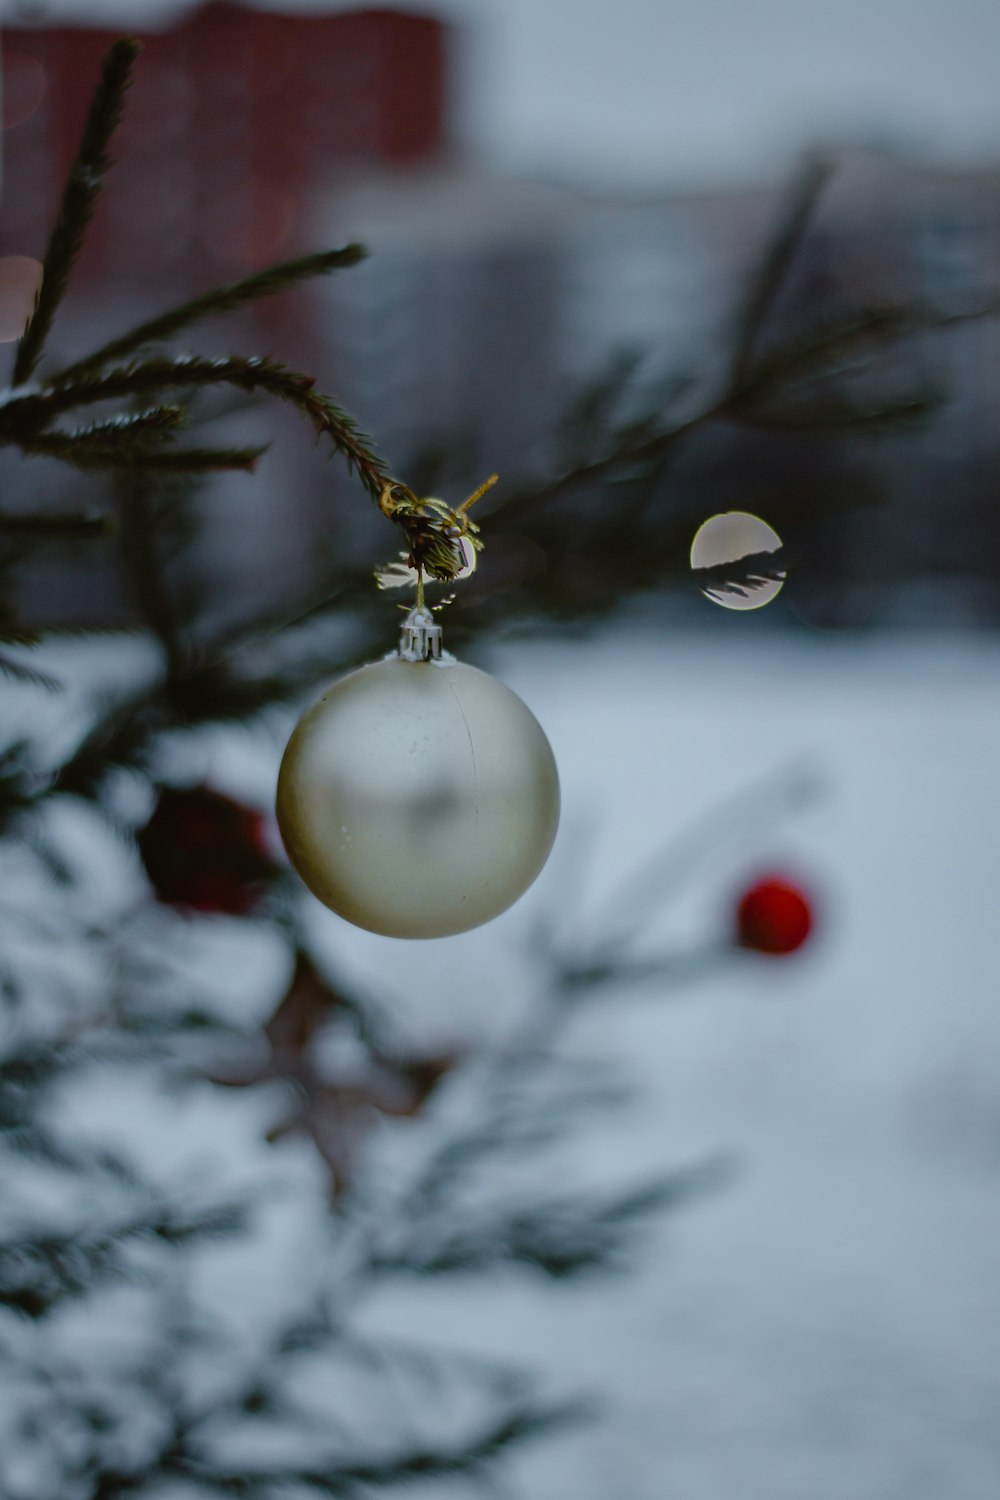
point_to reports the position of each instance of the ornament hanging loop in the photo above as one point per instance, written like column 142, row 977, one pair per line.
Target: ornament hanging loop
column 420, row 636
column 443, row 543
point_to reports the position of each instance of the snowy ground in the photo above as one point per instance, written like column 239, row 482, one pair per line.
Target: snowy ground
column 828, row 1326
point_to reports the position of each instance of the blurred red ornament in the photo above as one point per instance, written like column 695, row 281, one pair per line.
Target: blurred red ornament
column 773, row 916
column 206, row 852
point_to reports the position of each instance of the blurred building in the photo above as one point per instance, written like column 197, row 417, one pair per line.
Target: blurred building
column 237, row 118
column 487, row 301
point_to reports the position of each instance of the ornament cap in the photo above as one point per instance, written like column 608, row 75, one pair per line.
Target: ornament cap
column 420, row 636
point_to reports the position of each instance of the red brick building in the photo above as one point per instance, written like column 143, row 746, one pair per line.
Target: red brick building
column 237, row 117
column 239, row 124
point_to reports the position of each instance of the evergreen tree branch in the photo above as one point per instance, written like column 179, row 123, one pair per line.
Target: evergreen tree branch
column 561, row 1236
column 38, row 1273
column 19, row 671
column 822, row 350
column 620, row 970
column 743, row 574
column 14, row 635
column 154, row 424
column 120, row 740
column 148, row 585
column 193, row 460
column 79, row 200
column 81, row 453
column 223, row 299
column 835, row 413
column 772, row 270
column 26, row 415
column 126, row 442
column 419, row 1463
column 53, row 527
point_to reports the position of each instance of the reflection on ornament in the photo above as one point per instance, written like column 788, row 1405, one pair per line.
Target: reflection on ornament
column 419, row 797
column 443, row 542
column 728, row 538
column 402, row 573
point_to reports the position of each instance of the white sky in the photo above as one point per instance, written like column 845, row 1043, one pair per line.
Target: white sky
column 647, row 91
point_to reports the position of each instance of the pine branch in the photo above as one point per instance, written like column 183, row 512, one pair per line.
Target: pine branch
column 743, row 574
column 836, row 413
column 28, row 414
column 37, row 1274
column 673, row 972
column 224, row 299
column 19, row 671
column 421, row 1462
column 119, row 740
column 39, row 1143
column 82, row 453
column 13, row 634
column 591, row 411
column 53, row 528
column 561, row 1236
column 25, row 1075
column 153, row 424
column 772, row 270
column 192, row 460
column 818, row 353
column 822, row 350
column 79, row 200
column 125, row 443
column 86, row 447
column 141, row 549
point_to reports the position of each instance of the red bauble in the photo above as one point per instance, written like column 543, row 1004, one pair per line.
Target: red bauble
column 205, row 852
column 773, row 916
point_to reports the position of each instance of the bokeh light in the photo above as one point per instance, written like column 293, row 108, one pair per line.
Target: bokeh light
column 20, row 279
column 728, row 538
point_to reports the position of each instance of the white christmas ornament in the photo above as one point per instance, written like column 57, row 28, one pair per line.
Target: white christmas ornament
column 419, row 796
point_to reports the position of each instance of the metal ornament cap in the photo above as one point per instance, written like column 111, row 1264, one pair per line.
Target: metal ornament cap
column 418, row 799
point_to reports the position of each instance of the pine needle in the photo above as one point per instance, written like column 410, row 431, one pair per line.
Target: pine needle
column 55, row 527
column 18, row 671
column 836, row 413
column 224, row 299
column 78, row 201
column 84, row 454
column 772, row 271
column 154, row 375
column 742, row 575
column 830, row 346
column 155, row 422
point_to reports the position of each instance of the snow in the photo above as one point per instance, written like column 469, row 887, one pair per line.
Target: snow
column 825, row 1325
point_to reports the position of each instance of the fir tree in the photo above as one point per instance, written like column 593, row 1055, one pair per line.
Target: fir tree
column 101, row 978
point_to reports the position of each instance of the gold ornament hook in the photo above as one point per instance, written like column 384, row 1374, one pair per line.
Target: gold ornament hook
column 487, row 484
column 436, row 534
